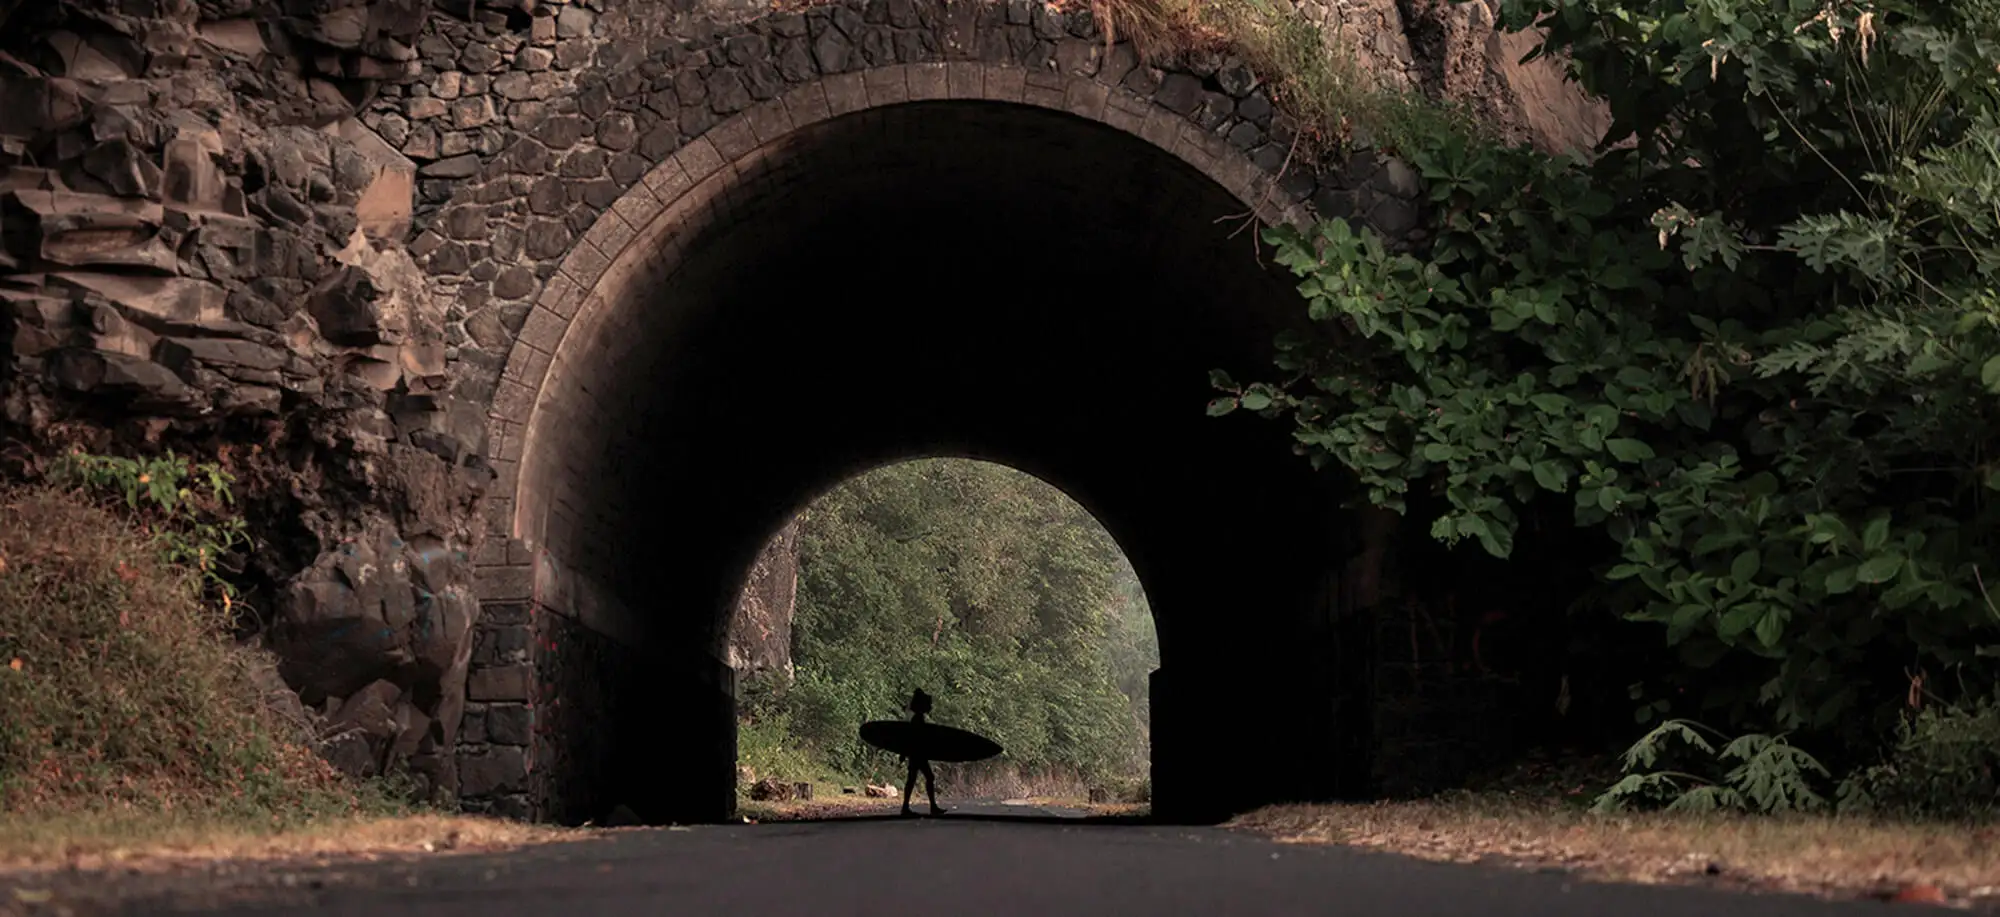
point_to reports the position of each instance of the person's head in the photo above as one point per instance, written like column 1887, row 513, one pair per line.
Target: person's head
column 920, row 702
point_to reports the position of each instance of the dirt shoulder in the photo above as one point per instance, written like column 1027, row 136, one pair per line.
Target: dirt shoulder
column 147, row 843
column 83, row 864
column 1826, row 856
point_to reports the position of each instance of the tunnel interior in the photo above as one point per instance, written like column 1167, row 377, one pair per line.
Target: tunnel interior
column 966, row 279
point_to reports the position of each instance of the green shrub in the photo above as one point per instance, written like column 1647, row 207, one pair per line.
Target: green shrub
column 1751, row 350
column 1946, row 763
column 1753, row 772
column 764, row 745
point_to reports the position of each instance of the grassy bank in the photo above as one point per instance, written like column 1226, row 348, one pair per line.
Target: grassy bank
column 131, row 723
column 142, row 839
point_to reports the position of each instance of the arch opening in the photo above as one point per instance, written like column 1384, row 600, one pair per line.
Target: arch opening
column 976, row 279
column 990, row 589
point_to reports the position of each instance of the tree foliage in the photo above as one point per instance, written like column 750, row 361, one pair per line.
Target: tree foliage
column 989, row 589
column 1755, row 343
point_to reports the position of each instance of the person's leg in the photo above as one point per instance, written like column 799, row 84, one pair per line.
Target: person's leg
column 930, row 788
column 909, row 786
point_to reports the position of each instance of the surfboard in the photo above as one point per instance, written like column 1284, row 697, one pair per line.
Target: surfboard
column 929, row 741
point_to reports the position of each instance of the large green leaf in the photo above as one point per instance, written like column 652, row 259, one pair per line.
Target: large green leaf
column 1628, row 450
column 1879, row 569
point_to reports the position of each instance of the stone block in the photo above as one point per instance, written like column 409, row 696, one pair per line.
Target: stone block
column 887, row 85
column 733, row 138
column 472, row 725
column 807, row 104
column 501, row 683
column 560, row 295
column 586, row 264
column 1043, row 97
column 1123, row 118
column 638, row 206
column 962, row 79
column 517, row 806
column 511, row 583
column 1087, row 98
column 544, row 330
column 506, row 476
column 769, row 121
column 609, row 235
column 1161, row 128
column 699, row 160
column 1003, row 83
column 845, row 93
column 491, row 613
column 499, row 516
column 494, row 770
column 668, row 181
column 503, row 645
column 510, row 724
column 929, row 81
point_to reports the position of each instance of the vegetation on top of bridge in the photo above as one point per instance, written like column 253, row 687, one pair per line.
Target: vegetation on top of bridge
column 1753, row 345
column 1333, row 100
column 982, row 585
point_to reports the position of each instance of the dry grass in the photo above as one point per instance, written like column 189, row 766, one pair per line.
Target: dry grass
column 118, row 683
column 1332, row 99
column 144, row 841
column 131, row 726
column 1841, row 857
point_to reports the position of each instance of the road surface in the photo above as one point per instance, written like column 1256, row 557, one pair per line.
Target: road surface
column 988, row 860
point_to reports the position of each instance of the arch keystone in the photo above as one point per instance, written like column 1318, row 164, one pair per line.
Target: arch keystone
column 1003, row 84
column 929, row 81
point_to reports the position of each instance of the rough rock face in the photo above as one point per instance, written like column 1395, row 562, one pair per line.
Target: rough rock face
column 1459, row 54
column 760, row 633
column 201, row 248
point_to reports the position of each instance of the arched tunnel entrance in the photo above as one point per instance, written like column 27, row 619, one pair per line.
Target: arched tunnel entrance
column 968, row 278
column 989, row 589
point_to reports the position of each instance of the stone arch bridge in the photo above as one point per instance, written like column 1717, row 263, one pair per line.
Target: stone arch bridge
column 525, row 323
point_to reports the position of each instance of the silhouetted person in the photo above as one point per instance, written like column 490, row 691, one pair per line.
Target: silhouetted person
column 920, row 707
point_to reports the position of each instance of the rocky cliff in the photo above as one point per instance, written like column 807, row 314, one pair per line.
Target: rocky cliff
column 760, row 629
column 201, row 248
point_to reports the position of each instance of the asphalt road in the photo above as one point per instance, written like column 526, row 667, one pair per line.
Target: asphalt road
column 986, row 861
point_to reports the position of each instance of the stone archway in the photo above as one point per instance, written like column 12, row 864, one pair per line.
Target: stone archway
column 549, row 414
column 635, row 240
